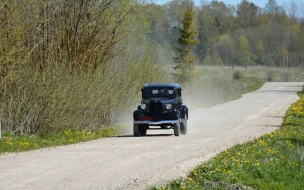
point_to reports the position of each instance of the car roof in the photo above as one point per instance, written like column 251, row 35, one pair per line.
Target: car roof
column 161, row 85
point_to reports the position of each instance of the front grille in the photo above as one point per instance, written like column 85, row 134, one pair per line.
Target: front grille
column 156, row 110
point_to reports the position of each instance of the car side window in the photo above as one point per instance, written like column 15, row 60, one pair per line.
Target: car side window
column 178, row 93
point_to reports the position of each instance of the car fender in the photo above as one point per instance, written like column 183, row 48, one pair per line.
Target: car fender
column 174, row 115
column 137, row 114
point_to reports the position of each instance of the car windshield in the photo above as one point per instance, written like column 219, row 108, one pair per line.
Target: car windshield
column 158, row 92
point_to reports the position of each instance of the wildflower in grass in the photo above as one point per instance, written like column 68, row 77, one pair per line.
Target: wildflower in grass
column 272, row 151
column 9, row 143
column 235, row 160
column 261, row 142
column 288, row 143
column 295, row 164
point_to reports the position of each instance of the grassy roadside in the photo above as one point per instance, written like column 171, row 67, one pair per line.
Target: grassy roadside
column 18, row 143
column 273, row 161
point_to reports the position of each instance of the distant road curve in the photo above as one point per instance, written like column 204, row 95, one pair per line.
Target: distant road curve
column 138, row 163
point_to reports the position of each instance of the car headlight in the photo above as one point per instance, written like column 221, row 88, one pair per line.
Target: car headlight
column 143, row 106
column 168, row 106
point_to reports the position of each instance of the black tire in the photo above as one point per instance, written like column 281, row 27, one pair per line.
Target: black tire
column 135, row 130
column 143, row 130
column 184, row 126
column 176, row 128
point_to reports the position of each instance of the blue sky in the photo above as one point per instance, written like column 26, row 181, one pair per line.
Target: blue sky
column 260, row 3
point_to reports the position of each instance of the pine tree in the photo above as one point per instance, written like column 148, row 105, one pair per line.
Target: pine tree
column 187, row 39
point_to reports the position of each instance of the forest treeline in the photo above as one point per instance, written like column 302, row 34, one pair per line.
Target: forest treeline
column 240, row 35
column 76, row 63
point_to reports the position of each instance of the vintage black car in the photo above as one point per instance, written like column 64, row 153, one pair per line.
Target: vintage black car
column 161, row 108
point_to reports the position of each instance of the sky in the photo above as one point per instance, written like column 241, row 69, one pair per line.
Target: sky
column 260, row 3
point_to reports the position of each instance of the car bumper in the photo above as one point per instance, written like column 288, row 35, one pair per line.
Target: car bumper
column 156, row 122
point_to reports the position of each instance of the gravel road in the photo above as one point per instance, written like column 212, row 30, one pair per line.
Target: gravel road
column 126, row 162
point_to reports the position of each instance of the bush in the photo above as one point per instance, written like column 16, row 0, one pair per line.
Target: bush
column 270, row 76
column 237, row 75
column 286, row 76
column 49, row 101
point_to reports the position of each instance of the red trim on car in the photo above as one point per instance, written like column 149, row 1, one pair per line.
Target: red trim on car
column 146, row 118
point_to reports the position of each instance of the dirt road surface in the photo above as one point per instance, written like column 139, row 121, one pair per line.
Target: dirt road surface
column 138, row 163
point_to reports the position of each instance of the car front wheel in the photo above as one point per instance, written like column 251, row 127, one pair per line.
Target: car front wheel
column 184, row 126
column 176, row 129
column 135, row 130
column 143, row 130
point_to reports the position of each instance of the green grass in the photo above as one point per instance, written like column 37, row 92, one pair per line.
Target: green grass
column 273, row 161
column 18, row 143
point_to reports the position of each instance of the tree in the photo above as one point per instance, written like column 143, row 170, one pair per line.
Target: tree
column 243, row 55
column 187, row 39
column 12, row 52
column 159, row 23
column 247, row 14
column 78, row 33
column 208, row 32
column 214, row 19
column 222, row 15
column 260, row 52
column 284, row 54
column 225, row 47
column 271, row 7
column 174, row 10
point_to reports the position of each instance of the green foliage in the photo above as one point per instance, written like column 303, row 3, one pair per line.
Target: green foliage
column 71, row 63
column 243, row 55
column 247, row 15
column 214, row 19
column 267, row 29
column 52, row 100
column 237, row 75
column 78, row 34
column 187, row 39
